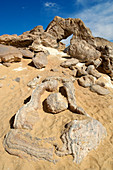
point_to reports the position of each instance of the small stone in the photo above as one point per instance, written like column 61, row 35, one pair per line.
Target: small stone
column 3, row 77
column 7, row 64
column 54, row 70
column 56, row 103
column 81, row 71
column 99, row 90
column 86, row 81
column 17, row 79
column 69, row 63
column 92, row 71
column 1, row 85
column 33, row 83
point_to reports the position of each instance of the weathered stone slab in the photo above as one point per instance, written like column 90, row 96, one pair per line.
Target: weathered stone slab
column 80, row 137
column 22, row 144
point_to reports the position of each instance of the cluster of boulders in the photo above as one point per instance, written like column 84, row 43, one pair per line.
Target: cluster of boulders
column 87, row 76
column 83, row 46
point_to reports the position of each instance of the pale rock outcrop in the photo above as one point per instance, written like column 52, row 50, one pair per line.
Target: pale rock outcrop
column 34, row 82
column 27, row 115
column 83, row 51
column 80, row 137
column 99, row 89
column 21, row 143
column 86, row 81
column 40, row 60
column 56, row 103
column 69, row 63
column 9, row 54
column 26, row 53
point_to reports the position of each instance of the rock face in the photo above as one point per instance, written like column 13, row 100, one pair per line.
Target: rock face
column 9, row 54
column 40, row 60
column 80, row 137
column 56, row 103
column 83, row 51
column 99, row 89
column 22, row 144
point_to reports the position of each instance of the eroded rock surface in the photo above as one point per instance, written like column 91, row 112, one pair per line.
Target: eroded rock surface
column 86, row 81
column 22, row 144
column 9, row 54
column 56, row 103
column 62, row 28
column 80, row 137
column 83, row 51
column 40, row 60
column 69, row 63
column 28, row 114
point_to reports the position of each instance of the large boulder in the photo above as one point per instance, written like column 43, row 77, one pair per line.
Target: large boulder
column 9, row 54
column 83, row 51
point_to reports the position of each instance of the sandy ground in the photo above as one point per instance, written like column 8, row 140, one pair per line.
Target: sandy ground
column 13, row 95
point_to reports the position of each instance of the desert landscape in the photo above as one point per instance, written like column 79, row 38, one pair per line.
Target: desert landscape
column 56, row 109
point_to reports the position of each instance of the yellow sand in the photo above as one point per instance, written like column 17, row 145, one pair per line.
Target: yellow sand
column 12, row 96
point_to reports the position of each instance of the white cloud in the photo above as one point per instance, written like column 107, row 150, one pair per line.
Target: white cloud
column 99, row 19
column 50, row 4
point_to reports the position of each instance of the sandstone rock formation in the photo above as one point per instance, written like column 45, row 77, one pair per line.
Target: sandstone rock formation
column 83, row 51
column 80, row 137
column 9, row 54
column 56, row 103
column 61, row 28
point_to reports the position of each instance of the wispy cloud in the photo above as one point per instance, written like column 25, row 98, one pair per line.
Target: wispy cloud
column 99, row 19
column 50, row 4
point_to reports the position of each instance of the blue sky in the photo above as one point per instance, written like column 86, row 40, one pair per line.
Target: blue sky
column 18, row 16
